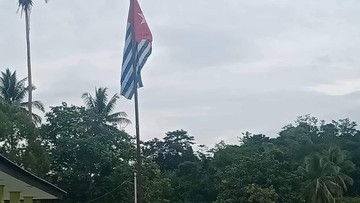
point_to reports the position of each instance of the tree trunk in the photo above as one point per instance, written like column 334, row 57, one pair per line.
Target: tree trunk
column 27, row 22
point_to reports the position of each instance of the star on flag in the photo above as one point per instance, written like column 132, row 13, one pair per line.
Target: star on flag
column 143, row 18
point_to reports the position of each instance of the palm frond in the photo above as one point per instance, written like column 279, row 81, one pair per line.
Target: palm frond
column 19, row 96
column 89, row 100
column 101, row 99
column 347, row 179
column 111, row 105
column 119, row 114
column 21, row 90
column 118, row 118
column 102, row 108
column 347, row 166
column 328, row 188
column 36, row 119
column 25, row 5
column 24, row 105
column 39, row 105
column 22, row 81
column 12, row 90
column 334, row 188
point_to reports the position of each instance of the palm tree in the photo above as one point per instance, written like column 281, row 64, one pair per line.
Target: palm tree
column 25, row 6
column 343, row 166
column 326, row 174
column 13, row 91
column 320, row 186
column 103, row 108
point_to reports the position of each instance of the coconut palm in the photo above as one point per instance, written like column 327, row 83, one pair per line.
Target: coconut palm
column 326, row 176
column 320, row 185
column 343, row 166
column 25, row 7
column 103, row 108
column 13, row 91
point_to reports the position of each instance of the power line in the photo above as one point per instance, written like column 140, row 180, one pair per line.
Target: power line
column 93, row 200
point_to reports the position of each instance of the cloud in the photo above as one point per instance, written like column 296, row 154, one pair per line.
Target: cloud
column 204, row 48
column 218, row 68
column 339, row 87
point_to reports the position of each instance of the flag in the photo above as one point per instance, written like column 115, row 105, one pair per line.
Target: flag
column 138, row 37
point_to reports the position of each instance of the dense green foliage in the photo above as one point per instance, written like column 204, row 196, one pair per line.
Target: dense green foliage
column 14, row 91
column 21, row 140
column 85, row 151
column 310, row 161
column 85, row 156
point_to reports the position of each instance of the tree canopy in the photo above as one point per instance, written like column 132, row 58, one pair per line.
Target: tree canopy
column 83, row 150
column 14, row 91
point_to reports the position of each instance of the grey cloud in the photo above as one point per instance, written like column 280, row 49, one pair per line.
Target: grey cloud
column 218, row 68
column 213, row 117
column 205, row 48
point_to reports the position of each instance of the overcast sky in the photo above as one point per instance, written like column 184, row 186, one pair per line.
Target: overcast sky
column 218, row 68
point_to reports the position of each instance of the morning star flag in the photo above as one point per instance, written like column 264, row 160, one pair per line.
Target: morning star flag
column 138, row 37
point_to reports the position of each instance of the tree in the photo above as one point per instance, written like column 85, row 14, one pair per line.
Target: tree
column 249, row 138
column 260, row 163
column 174, row 149
column 103, row 108
column 13, row 91
column 20, row 140
column 26, row 6
column 343, row 167
column 326, row 178
column 157, row 187
column 261, row 195
column 193, row 181
column 86, row 161
column 192, row 178
column 320, row 186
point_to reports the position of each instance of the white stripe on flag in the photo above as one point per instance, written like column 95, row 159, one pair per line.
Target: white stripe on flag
column 143, row 55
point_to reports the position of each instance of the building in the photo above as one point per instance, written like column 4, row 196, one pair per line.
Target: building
column 18, row 184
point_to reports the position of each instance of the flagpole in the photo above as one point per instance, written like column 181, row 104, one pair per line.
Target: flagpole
column 140, row 194
column 135, row 188
column 138, row 153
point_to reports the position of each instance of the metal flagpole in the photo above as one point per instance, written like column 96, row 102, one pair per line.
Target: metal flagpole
column 135, row 189
column 135, row 62
column 138, row 155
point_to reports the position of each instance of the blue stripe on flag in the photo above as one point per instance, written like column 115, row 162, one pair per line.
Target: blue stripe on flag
column 142, row 65
column 127, row 78
column 143, row 55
